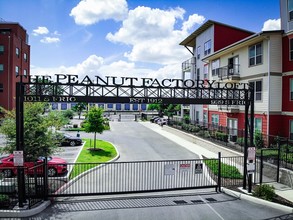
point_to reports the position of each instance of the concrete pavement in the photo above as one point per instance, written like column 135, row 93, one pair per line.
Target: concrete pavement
column 185, row 140
column 211, row 151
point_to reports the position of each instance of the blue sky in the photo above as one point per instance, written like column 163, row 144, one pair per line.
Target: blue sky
column 127, row 38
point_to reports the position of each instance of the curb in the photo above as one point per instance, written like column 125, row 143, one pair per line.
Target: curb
column 257, row 200
column 19, row 213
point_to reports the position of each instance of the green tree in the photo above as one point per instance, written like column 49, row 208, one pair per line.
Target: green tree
column 95, row 122
column 38, row 138
column 56, row 119
column 79, row 107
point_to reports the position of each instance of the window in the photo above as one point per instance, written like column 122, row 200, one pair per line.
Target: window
column 257, row 89
column 205, row 118
column 215, row 119
column 215, row 67
column 291, row 89
column 198, row 52
column 135, row 107
column 207, row 47
column 258, row 124
column 127, row 107
column 54, row 106
column 143, row 107
column 1, row 49
column 63, row 106
column 205, row 71
column 1, row 87
column 1, row 68
column 101, row 105
column 25, row 57
column 255, row 54
column 109, row 105
column 16, row 70
column 118, row 106
column 17, row 52
column 290, row 10
column 197, row 116
column 24, row 72
column 291, row 130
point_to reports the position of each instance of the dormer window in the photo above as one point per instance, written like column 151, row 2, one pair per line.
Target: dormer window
column 290, row 10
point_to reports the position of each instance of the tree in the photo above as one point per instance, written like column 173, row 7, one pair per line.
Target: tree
column 79, row 107
column 56, row 119
column 39, row 140
column 95, row 122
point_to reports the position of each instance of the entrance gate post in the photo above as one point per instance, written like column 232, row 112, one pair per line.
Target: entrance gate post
column 20, row 140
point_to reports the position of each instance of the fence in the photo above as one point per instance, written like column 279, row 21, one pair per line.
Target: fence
column 85, row 179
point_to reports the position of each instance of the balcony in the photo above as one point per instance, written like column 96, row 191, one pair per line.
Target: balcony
column 230, row 72
column 188, row 64
column 229, row 108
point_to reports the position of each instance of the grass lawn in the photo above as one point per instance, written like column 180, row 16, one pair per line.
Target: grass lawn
column 89, row 159
column 227, row 171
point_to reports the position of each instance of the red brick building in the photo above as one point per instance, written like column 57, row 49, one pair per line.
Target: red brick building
column 14, row 60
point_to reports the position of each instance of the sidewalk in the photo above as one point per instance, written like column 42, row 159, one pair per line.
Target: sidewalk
column 185, row 140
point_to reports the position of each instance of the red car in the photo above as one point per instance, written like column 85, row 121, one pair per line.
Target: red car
column 56, row 166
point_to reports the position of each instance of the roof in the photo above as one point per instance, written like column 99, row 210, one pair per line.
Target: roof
column 190, row 40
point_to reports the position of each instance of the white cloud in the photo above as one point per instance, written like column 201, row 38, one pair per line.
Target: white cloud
column 88, row 12
column 96, row 66
column 40, row 31
column 49, row 40
column 272, row 24
column 192, row 20
column 152, row 35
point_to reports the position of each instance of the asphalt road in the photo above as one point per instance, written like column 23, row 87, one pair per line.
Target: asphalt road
column 135, row 142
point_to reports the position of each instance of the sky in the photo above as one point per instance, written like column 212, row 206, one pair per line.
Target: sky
column 125, row 37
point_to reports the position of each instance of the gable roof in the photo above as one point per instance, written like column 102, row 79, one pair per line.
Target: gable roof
column 190, row 40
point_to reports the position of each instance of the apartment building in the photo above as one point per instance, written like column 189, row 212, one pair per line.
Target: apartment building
column 255, row 60
column 211, row 37
column 14, row 60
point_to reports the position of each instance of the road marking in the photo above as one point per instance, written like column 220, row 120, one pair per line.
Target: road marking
column 212, row 209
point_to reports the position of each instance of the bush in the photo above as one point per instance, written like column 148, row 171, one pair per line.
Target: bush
column 265, row 192
column 221, row 136
column 4, row 198
column 258, row 140
column 68, row 114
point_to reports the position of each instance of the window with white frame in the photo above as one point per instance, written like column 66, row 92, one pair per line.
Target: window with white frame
column 25, row 57
column 291, row 90
column 257, row 89
column 198, row 52
column 255, row 54
column 215, row 119
column 291, row 49
column 207, row 47
column 291, row 130
column 205, row 71
column 17, row 52
column 16, row 70
column 215, row 67
column 290, row 10
column 205, row 118
column 258, row 124
column 24, row 72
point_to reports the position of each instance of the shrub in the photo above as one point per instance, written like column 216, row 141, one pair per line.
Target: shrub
column 4, row 198
column 68, row 113
column 258, row 140
column 265, row 192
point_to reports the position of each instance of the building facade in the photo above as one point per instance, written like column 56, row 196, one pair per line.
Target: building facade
column 14, row 61
column 206, row 40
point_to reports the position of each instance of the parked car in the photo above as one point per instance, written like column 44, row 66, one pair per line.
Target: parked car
column 68, row 140
column 154, row 118
column 163, row 121
column 56, row 166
